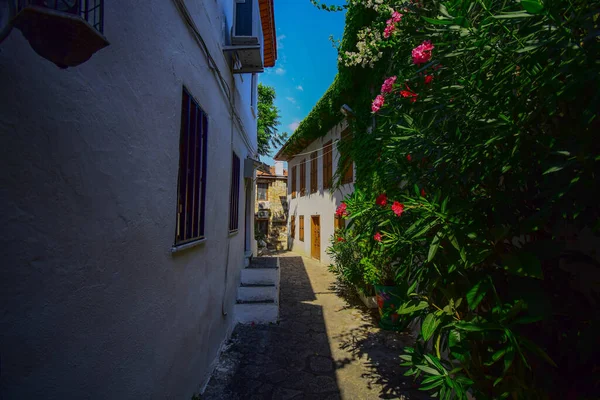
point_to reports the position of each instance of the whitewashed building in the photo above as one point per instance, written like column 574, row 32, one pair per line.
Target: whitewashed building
column 127, row 142
column 312, row 201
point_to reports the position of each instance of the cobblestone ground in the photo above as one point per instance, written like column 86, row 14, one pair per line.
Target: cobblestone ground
column 326, row 346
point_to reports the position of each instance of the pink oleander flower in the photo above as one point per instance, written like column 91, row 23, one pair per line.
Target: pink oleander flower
column 381, row 200
column 341, row 210
column 422, row 53
column 377, row 103
column 388, row 85
column 387, row 32
column 377, row 237
column 396, row 16
column 398, row 208
column 428, row 79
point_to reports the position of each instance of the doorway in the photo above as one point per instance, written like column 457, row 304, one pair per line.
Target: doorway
column 315, row 237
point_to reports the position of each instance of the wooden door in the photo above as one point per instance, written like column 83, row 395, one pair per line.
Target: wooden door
column 315, row 237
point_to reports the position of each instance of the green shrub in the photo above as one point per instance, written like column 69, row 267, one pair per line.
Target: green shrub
column 487, row 138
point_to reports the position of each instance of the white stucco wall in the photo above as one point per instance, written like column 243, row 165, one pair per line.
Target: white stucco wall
column 93, row 305
column 322, row 203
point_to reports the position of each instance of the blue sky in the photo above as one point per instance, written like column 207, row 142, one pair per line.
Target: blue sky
column 306, row 59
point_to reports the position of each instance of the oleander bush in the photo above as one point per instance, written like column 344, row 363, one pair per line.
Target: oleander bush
column 475, row 141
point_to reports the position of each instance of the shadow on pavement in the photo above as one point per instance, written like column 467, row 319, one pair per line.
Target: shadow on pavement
column 289, row 360
column 380, row 349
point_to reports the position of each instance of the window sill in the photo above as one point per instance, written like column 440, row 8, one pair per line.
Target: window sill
column 181, row 247
column 233, row 233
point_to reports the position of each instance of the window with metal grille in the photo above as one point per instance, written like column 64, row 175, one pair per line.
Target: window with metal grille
column 293, row 226
column 191, row 185
column 327, row 165
column 314, row 178
column 349, row 168
column 301, row 222
column 293, row 178
column 262, row 190
column 303, row 177
column 90, row 10
column 234, row 195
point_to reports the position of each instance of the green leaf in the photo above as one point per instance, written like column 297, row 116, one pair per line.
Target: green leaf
column 429, row 326
column 439, row 21
column 412, row 306
column 531, row 346
column 551, row 170
column 433, row 385
column 454, row 338
column 476, row 294
column 427, row 369
column 532, row 6
column 523, row 263
column 433, row 248
column 477, row 327
column 517, row 14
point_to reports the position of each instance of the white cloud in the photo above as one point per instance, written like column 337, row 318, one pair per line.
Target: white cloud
column 280, row 41
column 291, row 100
column 294, row 125
column 300, row 88
column 280, row 71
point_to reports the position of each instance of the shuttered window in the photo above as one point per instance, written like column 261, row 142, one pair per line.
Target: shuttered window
column 349, row 168
column 303, row 177
column 191, row 181
column 314, row 178
column 293, row 178
column 327, row 165
column 338, row 223
column 293, row 227
column 301, row 222
column 234, row 195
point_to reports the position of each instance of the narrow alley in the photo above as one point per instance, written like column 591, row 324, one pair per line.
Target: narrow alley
column 326, row 346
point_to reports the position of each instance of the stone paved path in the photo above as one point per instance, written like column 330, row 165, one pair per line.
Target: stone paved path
column 326, row 346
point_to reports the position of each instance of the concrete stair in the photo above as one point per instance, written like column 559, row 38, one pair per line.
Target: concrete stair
column 258, row 294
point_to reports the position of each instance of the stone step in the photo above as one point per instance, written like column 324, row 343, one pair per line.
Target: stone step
column 260, row 276
column 258, row 313
column 248, row 293
column 264, row 262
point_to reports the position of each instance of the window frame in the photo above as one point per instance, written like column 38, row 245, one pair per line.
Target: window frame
column 193, row 134
column 314, row 172
column 293, row 227
column 303, row 177
column 234, row 193
column 338, row 223
column 293, row 178
column 328, row 165
column 258, row 186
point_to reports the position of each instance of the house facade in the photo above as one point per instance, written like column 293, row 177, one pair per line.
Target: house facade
column 121, row 256
column 272, row 206
column 312, row 200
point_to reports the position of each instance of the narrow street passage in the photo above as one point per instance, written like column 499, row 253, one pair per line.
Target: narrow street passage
column 326, row 346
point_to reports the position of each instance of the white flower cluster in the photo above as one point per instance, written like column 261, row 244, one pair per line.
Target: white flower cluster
column 377, row 5
column 368, row 52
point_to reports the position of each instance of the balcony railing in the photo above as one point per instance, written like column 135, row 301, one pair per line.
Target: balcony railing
column 91, row 11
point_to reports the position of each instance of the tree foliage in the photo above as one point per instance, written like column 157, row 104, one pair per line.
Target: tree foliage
column 268, row 119
column 487, row 137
